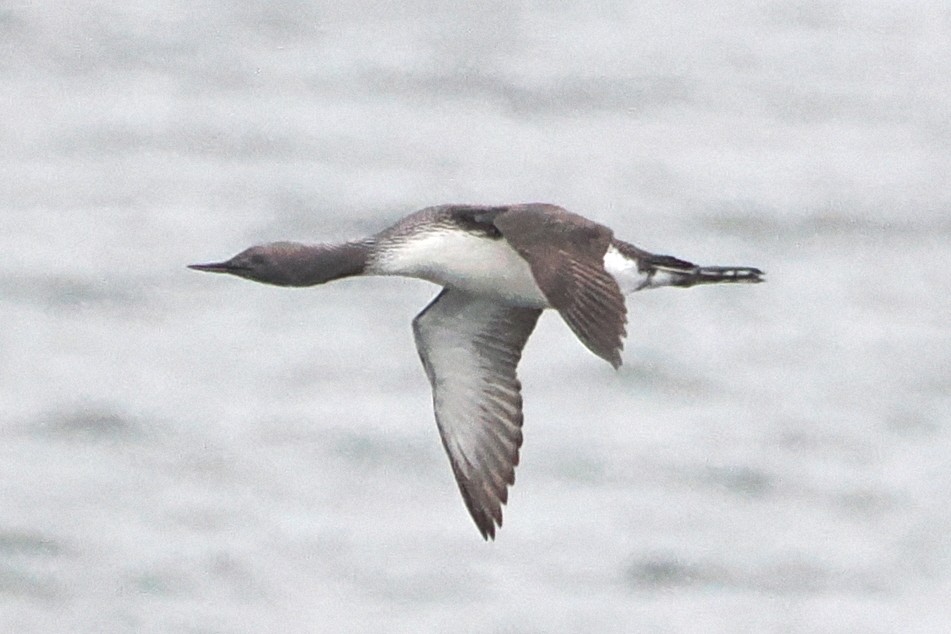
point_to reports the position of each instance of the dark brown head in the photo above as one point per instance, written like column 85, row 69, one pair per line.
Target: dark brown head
column 294, row 264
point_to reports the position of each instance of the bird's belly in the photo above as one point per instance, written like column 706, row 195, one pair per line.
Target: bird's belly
column 465, row 261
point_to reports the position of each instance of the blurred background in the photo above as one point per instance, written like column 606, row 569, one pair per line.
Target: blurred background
column 188, row 453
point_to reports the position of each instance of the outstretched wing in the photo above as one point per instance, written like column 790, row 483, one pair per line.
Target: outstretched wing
column 565, row 252
column 470, row 348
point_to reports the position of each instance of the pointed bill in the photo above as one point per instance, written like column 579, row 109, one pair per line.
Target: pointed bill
column 214, row 267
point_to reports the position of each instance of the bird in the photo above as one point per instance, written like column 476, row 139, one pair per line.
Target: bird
column 500, row 267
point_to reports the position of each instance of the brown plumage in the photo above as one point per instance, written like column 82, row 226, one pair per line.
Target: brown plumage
column 500, row 268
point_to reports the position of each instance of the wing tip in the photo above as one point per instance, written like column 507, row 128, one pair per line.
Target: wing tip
column 612, row 355
column 486, row 523
column 485, row 513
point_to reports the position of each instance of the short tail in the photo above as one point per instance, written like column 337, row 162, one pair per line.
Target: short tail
column 683, row 273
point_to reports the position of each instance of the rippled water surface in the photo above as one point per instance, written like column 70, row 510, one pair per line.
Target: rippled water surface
column 185, row 453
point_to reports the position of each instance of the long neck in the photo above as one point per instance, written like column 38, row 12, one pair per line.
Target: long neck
column 307, row 265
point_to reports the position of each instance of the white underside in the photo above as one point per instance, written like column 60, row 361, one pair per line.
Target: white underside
column 624, row 271
column 629, row 278
column 469, row 262
column 488, row 267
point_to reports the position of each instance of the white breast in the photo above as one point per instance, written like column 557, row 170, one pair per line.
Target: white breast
column 458, row 259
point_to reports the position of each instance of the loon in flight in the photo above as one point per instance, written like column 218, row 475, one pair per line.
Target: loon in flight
column 499, row 267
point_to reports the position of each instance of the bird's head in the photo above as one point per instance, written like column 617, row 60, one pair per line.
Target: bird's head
column 292, row 263
column 268, row 263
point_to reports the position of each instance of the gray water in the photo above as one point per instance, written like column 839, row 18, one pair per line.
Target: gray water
column 188, row 453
